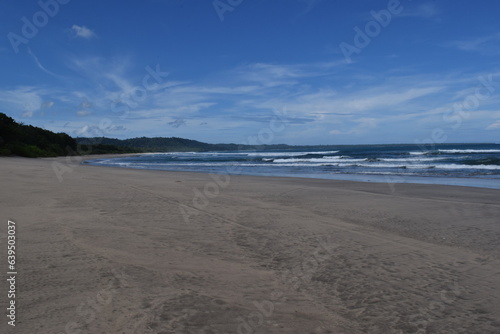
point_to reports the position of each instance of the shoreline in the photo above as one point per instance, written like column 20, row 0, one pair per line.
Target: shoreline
column 479, row 182
column 190, row 252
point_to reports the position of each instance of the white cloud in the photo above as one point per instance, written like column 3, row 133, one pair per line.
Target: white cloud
column 364, row 124
column 27, row 114
column 177, row 123
column 388, row 98
column 82, row 113
column 22, row 98
column 86, row 104
column 427, row 10
column 38, row 64
column 47, row 105
column 488, row 45
column 494, row 126
column 97, row 131
column 327, row 97
column 83, row 32
column 272, row 75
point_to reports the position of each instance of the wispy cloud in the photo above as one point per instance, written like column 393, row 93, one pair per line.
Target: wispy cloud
column 494, row 126
column 487, row 45
column 47, row 105
column 83, row 32
column 238, row 100
column 270, row 75
column 23, row 98
column 40, row 66
column 82, row 113
column 177, row 123
column 27, row 114
column 363, row 125
column 86, row 104
column 94, row 130
column 428, row 10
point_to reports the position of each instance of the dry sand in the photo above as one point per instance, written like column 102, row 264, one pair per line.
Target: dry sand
column 110, row 250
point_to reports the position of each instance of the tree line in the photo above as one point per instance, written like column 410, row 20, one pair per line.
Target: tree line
column 17, row 139
column 31, row 141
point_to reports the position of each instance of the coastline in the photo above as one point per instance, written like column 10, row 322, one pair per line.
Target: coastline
column 390, row 180
column 190, row 252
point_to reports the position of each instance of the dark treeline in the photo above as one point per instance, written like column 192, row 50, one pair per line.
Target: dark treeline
column 31, row 141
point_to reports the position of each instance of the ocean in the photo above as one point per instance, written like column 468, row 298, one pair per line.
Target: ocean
column 452, row 164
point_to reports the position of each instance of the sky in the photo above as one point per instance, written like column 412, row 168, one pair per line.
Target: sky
column 261, row 71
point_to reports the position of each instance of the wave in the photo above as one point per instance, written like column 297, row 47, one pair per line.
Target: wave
column 319, row 160
column 411, row 159
column 436, row 166
column 162, row 153
column 242, row 153
column 344, row 159
column 419, row 153
column 457, row 166
column 289, row 154
column 485, row 161
column 356, row 163
column 468, row 151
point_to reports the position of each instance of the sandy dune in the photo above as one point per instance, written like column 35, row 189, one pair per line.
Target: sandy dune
column 111, row 250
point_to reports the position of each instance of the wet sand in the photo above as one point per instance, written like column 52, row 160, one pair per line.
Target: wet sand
column 109, row 250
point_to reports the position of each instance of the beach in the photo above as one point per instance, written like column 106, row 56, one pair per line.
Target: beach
column 115, row 250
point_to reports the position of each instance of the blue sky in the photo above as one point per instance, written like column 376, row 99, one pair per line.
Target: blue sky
column 281, row 71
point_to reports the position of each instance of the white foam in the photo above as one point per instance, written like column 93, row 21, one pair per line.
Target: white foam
column 285, row 154
column 411, row 159
column 161, row 153
column 424, row 166
column 455, row 166
column 470, row 151
column 318, row 160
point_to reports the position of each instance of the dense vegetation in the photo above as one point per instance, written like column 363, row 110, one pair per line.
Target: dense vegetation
column 31, row 141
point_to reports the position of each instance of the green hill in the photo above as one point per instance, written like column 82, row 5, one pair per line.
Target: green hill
column 172, row 144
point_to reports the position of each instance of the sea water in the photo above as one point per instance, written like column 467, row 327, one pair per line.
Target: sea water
column 453, row 164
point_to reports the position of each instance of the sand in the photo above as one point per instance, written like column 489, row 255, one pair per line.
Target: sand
column 109, row 250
